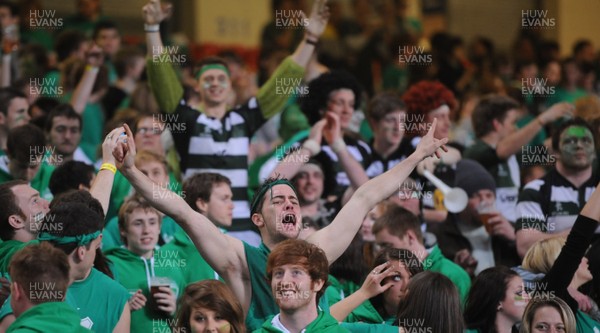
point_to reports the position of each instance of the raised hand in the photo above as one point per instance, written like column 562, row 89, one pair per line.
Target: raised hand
column 556, row 112
column 110, row 143
column 316, row 131
column 372, row 285
column 317, row 21
column 500, row 226
column 154, row 12
column 429, row 145
column 124, row 151
column 94, row 56
column 333, row 128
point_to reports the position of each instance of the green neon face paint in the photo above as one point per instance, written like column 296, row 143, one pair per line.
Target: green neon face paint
column 578, row 131
column 576, row 148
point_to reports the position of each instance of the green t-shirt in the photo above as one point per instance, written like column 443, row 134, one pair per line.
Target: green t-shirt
column 262, row 303
column 324, row 323
column 48, row 317
column 585, row 323
column 111, row 237
column 134, row 272
column 7, row 250
column 99, row 300
column 436, row 262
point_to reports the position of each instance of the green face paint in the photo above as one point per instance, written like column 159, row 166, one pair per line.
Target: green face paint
column 572, row 140
column 578, row 131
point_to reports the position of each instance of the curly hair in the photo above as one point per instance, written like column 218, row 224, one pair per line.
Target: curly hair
column 320, row 89
column 426, row 96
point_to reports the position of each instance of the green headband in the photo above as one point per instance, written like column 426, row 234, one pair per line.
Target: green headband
column 261, row 192
column 211, row 66
column 80, row 240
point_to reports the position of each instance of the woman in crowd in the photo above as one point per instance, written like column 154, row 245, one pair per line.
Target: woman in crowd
column 543, row 315
column 496, row 301
column 376, row 302
column 209, row 306
column 431, row 304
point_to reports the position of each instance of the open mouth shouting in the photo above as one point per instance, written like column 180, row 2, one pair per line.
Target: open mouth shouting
column 288, row 222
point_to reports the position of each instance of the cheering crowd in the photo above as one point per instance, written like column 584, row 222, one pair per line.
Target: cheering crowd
column 343, row 188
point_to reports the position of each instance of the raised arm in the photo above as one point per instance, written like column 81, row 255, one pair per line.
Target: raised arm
column 317, row 21
column 292, row 68
column 103, row 182
column 370, row 288
column 512, row 144
column 566, row 265
column 335, row 238
column 83, row 90
column 162, row 78
column 223, row 253
column 289, row 166
column 333, row 135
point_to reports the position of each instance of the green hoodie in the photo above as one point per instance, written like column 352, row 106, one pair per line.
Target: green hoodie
column 337, row 291
column 367, row 313
column 436, row 262
column 197, row 269
column 324, row 323
column 134, row 272
column 48, row 317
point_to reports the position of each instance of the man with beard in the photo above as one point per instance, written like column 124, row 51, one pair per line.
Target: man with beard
column 298, row 272
column 63, row 129
column 276, row 212
column 548, row 207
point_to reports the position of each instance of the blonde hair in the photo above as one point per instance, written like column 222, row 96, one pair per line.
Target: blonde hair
column 535, row 304
column 541, row 256
column 146, row 156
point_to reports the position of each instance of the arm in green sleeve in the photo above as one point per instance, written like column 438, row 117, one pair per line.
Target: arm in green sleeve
column 270, row 102
column 164, row 84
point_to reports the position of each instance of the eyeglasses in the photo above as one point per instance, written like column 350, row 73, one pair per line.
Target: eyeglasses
column 150, row 130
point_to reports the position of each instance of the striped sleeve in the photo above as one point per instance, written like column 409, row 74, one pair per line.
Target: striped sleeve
column 530, row 214
column 269, row 100
column 164, row 84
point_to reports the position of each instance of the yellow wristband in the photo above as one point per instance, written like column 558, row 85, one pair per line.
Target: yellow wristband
column 90, row 68
column 108, row 166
